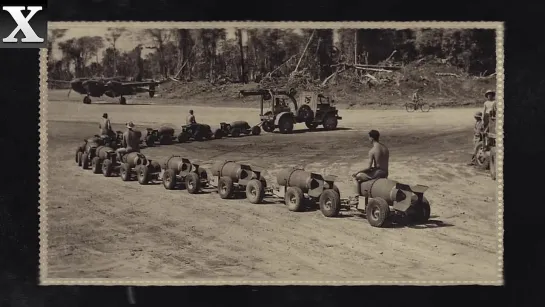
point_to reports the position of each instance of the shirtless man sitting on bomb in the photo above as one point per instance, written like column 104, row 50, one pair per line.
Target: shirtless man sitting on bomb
column 379, row 157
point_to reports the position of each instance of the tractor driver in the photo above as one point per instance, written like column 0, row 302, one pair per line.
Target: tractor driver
column 130, row 143
column 190, row 120
column 379, row 157
column 105, row 126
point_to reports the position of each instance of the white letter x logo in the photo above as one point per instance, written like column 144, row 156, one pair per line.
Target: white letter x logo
column 22, row 24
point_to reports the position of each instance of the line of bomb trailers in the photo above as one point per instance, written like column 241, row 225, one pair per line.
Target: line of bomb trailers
column 381, row 200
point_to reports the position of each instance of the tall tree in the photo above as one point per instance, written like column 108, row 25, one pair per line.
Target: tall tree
column 160, row 38
column 113, row 35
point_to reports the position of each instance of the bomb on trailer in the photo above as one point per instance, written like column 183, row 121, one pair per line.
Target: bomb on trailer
column 235, row 178
column 382, row 199
column 131, row 165
column 297, row 185
column 164, row 135
column 179, row 170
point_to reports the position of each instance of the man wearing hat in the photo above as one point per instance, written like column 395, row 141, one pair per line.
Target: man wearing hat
column 478, row 131
column 130, row 143
column 190, row 119
column 105, row 126
column 489, row 105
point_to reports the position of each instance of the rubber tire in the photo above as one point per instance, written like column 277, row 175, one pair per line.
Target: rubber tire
column 169, row 179
column 297, row 194
column 311, row 125
column 384, row 212
column 150, row 141
column 95, row 165
column 107, row 168
column 203, row 175
column 493, row 163
column 218, row 134
column 165, row 140
column 192, row 183
column 334, row 198
column 125, row 172
column 422, row 211
column 425, row 107
column 410, row 107
column 87, row 100
column 285, row 124
column 485, row 164
column 85, row 161
column 142, row 172
column 336, row 189
column 183, row 137
column 235, row 132
column 155, row 166
column 263, row 182
column 256, row 130
column 122, row 101
column 225, row 187
column 268, row 126
column 330, row 122
column 80, row 154
column 255, row 191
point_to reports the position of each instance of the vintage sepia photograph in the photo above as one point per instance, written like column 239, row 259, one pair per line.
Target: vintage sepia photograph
column 272, row 153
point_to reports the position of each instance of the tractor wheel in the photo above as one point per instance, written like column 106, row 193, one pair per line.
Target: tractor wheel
column 268, row 126
column 493, row 163
column 482, row 161
column 85, row 161
column 143, row 174
column 203, row 176
column 255, row 191
column 79, row 154
column 377, row 212
column 155, row 166
column 330, row 203
column 183, row 137
column 256, row 130
column 192, row 183
column 165, row 139
column 150, row 141
column 225, row 187
column 125, row 172
column 422, row 211
column 330, row 122
column 169, row 179
column 336, row 189
column 294, row 199
column 107, row 168
column 311, row 125
column 87, row 100
column 122, row 100
column 218, row 134
column 285, row 125
column 235, row 132
column 95, row 165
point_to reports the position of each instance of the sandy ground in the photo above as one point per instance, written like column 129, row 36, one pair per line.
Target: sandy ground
column 106, row 228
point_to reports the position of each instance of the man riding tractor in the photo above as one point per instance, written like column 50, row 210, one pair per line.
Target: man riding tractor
column 130, row 142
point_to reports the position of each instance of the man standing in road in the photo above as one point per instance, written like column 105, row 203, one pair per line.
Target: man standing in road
column 379, row 157
column 478, row 131
column 130, row 143
column 489, row 105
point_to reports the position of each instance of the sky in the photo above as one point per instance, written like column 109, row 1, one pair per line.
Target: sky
column 126, row 42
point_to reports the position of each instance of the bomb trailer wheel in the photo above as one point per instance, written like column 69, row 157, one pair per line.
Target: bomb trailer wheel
column 254, row 189
column 193, row 182
column 329, row 201
column 380, row 214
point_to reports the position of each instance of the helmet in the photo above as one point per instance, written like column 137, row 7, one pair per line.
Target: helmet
column 478, row 114
column 489, row 92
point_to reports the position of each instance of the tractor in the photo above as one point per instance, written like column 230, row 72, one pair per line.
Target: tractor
column 238, row 128
column 485, row 150
column 197, row 132
column 285, row 110
column 164, row 135
column 383, row 199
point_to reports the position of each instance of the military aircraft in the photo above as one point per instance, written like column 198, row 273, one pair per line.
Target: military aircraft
column 111, row 87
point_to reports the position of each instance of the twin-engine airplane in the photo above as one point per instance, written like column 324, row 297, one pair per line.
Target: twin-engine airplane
column 111, row 87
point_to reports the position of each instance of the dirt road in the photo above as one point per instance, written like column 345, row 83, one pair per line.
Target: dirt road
column 106, row 228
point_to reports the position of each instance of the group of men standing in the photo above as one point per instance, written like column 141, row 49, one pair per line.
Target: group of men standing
column 482, row 119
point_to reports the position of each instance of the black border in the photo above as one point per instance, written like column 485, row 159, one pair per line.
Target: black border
column 525, row 107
